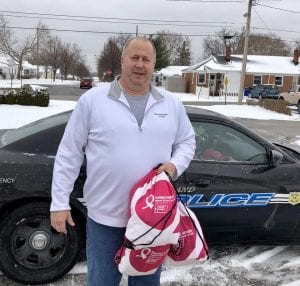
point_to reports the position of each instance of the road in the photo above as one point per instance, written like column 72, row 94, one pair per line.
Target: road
column 225, row 266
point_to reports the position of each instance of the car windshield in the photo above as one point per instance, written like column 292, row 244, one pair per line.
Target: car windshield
column 217, row 142
column 33, row 128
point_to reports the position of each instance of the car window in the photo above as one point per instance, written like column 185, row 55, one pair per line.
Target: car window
column 34, row 128
column 217, row 142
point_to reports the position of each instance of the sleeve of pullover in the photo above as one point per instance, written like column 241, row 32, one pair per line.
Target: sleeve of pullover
column 70, row 156
column 184, row 145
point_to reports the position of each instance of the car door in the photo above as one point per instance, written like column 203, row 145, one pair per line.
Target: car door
column 232, row 188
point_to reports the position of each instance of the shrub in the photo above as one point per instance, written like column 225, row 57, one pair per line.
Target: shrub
column 276, row 105
column 2, row 96
column 25, row 95
column 41, row 97
column 11, row 97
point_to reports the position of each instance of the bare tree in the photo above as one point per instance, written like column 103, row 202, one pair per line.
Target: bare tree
column 80, row 69
column 216, row 45
column 36, row 56
column 121, row 40
column 259, row 44
column 109, row 63
column 51, row 53
column 15, row 49
column 265, row 44
column 69, row 57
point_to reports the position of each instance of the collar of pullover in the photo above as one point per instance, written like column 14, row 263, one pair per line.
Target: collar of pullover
column 115, row 90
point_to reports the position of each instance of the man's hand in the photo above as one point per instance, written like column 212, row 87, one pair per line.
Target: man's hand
column 59, row 220
column 169, row 168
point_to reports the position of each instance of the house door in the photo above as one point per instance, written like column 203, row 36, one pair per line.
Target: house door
column 212, row 85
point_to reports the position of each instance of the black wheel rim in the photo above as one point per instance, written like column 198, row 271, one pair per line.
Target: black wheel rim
column 35, row 245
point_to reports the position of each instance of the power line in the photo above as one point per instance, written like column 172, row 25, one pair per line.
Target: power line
column 262, row 20
column 103, row 32
column 74, row 17
column 199, row 24
column 281, row 9
column 123, row 33
column 208, row 1
column 123, row 20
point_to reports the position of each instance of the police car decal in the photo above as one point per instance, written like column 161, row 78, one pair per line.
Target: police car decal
column 235, row 200
column 239, row 200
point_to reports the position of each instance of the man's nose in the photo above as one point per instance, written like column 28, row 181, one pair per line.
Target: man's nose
column 139, row 62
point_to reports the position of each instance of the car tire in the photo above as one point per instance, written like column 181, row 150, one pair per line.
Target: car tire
column 298, row 107
column 31, row 251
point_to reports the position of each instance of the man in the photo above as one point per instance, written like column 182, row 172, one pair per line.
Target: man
column 125, row 129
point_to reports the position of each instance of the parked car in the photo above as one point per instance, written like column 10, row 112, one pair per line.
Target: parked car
column 292, row 96
column 244, row 190
column 264, row 91
column 86, row 82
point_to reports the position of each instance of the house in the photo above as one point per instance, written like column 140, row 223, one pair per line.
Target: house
column 160, row 76
column 8, row 68
column 29, row 70
column 221, row 74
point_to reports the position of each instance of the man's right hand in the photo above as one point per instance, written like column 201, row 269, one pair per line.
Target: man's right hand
column 59, row 220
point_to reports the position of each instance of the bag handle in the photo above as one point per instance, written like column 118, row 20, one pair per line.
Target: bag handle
column 187, row 210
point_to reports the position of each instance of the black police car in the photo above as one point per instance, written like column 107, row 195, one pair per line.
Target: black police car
column 244, row 189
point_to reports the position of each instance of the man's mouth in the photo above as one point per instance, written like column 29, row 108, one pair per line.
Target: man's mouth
column 138, row 73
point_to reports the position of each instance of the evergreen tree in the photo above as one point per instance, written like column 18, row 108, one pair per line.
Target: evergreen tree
column 162, row 53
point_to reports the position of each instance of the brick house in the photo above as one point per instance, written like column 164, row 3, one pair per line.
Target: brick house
column 219, row 74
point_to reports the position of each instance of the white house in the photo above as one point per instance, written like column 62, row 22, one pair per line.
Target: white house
column 160, row 76
column 8, row 67
column 222, row 73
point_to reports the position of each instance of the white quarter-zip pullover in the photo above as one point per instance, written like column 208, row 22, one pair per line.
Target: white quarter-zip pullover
column 118, row 150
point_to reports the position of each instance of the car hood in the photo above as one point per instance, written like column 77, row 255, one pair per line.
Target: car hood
column 291, row 149
column 13, row 157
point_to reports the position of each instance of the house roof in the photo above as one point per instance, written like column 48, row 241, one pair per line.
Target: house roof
column 255, row 64
column 171, row 70
column 6, row 61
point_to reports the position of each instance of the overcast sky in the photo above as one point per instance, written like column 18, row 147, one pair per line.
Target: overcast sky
column 101, row 19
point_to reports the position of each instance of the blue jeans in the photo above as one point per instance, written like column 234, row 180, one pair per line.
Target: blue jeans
column 102, row 244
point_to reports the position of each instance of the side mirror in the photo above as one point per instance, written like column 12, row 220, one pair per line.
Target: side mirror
column 275, row 158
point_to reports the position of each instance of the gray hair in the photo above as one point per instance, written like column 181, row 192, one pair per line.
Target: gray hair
column 140, row 38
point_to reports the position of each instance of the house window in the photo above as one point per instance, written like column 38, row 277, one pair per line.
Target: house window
column 296, row 80
column 278, row 80
column 256, row 79
column 201, row 78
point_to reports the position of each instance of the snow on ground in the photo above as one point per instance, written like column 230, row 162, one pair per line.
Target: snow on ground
column 14, row 116
column 16, row 83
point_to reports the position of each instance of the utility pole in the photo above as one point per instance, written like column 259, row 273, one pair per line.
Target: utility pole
column 243, row 71
column 38, row 52
column 137, row 30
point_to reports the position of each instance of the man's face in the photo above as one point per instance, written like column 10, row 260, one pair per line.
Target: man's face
column 138, row 65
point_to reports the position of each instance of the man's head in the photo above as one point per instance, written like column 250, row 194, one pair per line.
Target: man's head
column 138, row 61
